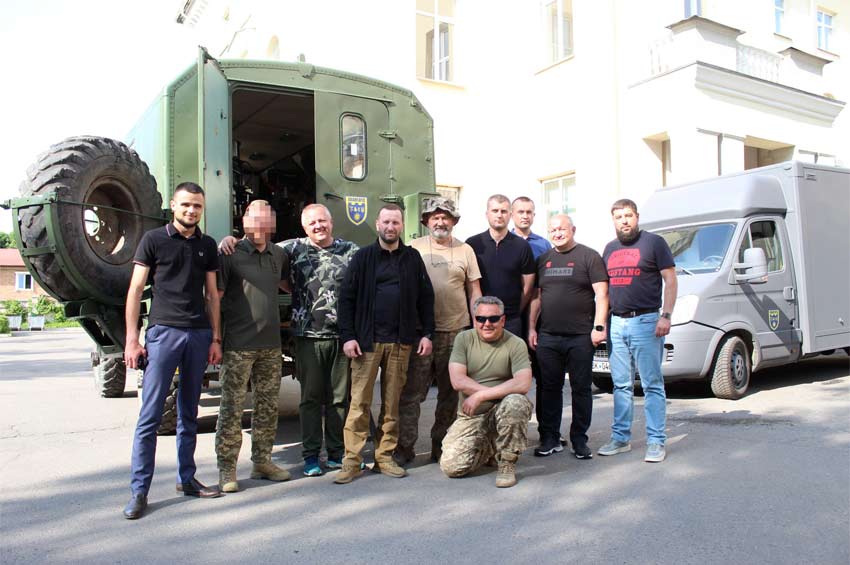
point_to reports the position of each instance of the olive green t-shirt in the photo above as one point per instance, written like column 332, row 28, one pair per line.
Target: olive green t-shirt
column 249, row 310
column 489, row 363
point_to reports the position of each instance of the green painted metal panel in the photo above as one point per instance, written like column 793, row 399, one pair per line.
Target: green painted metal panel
column 340, row 194
column 413, row 227
column 182, row 136
column 214, row 147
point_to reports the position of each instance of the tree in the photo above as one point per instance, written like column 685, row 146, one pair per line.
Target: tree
column 6, row 240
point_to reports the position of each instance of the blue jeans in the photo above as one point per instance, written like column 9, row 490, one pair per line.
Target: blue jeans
column 169, row 348
column 632, row 345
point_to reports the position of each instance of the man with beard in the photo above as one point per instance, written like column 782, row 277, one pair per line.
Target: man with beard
column 183, row 332
column 385, row 293
column 571, row 303
column 454, row 274
column 506, row 262
column 248, row 283
column 637, row 263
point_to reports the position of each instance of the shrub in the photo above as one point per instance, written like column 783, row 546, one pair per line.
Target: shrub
column 4, row 325
column 14, row 308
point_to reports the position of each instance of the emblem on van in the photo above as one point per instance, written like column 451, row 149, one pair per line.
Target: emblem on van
column 773, row 319
column 356, row 208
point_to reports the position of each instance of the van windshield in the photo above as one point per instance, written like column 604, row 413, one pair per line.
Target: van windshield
column 699, row 249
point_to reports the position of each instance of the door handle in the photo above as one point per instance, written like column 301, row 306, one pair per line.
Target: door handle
column 789, row 294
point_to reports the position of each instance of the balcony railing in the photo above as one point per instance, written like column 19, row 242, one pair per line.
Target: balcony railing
column 758, row 63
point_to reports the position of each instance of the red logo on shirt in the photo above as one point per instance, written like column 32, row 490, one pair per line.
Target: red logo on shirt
column 548, row 264
column 623, row 266
column 571, row 264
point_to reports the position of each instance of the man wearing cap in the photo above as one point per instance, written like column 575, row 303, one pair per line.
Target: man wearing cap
column 453, row 270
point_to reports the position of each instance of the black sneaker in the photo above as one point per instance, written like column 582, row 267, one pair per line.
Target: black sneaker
column 581, row 451
column 548, row 446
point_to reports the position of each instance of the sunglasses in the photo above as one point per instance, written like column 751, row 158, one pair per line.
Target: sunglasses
column 491, row 319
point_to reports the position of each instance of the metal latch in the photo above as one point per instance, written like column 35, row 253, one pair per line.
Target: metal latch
column 388, row 133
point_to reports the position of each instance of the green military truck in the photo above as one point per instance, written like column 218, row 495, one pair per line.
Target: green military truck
column 290, row 133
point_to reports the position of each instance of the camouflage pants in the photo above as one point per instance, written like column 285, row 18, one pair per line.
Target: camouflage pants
column 424, row 371
column 501, row 431
column 262, row 367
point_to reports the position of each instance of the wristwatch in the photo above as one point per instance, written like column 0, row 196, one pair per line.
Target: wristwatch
column 599, row 328
column 666, row 315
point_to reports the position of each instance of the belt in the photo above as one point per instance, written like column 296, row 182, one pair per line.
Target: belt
column 635, row 313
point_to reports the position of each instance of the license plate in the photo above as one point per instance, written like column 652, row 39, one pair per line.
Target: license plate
column 601, row 366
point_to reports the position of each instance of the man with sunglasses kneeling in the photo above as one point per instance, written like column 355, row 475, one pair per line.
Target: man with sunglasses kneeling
column 490, row 369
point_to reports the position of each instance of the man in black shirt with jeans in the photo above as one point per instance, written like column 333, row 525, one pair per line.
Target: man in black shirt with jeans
column 571, row 302
column 385, row 295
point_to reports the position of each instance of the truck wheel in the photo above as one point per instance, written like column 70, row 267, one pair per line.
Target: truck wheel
column 109, row 377
column 605, row 384
column 168, row 425
column 731, row 373
column 97, row 180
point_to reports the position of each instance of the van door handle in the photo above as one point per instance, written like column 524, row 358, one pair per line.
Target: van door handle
column 789, row 294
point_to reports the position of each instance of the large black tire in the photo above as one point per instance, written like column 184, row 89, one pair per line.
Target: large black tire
column 730, row 375
column 94, row 172
column 110, row 376
column 168, row 425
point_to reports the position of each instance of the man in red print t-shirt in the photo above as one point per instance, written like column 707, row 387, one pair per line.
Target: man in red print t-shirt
column 637, row 263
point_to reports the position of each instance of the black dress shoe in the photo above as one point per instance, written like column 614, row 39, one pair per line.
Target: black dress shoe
column 136, row 507
column 195, row 488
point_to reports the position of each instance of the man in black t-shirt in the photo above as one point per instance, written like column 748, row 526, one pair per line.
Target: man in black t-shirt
column 506, row 262
column 183, row 332
column 637, row 263
column 571, row 303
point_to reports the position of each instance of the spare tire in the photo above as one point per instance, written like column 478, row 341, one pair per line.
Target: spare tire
column 105, row 200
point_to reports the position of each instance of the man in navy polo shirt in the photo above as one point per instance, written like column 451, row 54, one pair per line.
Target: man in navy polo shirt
column 506, row 262
column 522, row 214
column 183, row 332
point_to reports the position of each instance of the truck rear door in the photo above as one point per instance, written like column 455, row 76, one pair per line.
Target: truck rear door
column 214, row 145
column 353, row 160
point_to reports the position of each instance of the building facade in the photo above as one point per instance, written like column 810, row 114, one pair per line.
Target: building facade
column 576, row 103
column 16, row 283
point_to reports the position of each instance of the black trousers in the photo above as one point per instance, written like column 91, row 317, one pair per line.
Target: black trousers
column 559, row 354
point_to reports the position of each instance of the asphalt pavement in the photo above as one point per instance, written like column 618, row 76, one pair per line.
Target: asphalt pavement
column 765, row 479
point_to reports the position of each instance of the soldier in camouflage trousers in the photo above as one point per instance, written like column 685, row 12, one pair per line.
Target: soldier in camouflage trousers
column 490, row 369
column 262, row 367
column 248, row 282
column 501, row 433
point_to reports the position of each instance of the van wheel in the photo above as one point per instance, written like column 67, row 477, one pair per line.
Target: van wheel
column 109, row 377
column 731, row 374
column 605, row 384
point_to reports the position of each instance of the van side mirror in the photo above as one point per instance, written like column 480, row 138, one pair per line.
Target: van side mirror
column 754, row 266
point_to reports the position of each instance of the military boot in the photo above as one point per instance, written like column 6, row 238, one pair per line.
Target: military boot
column 348, row 473
column 227, row 481
column 506, row 475
column 389, row 468
column 269, row 471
